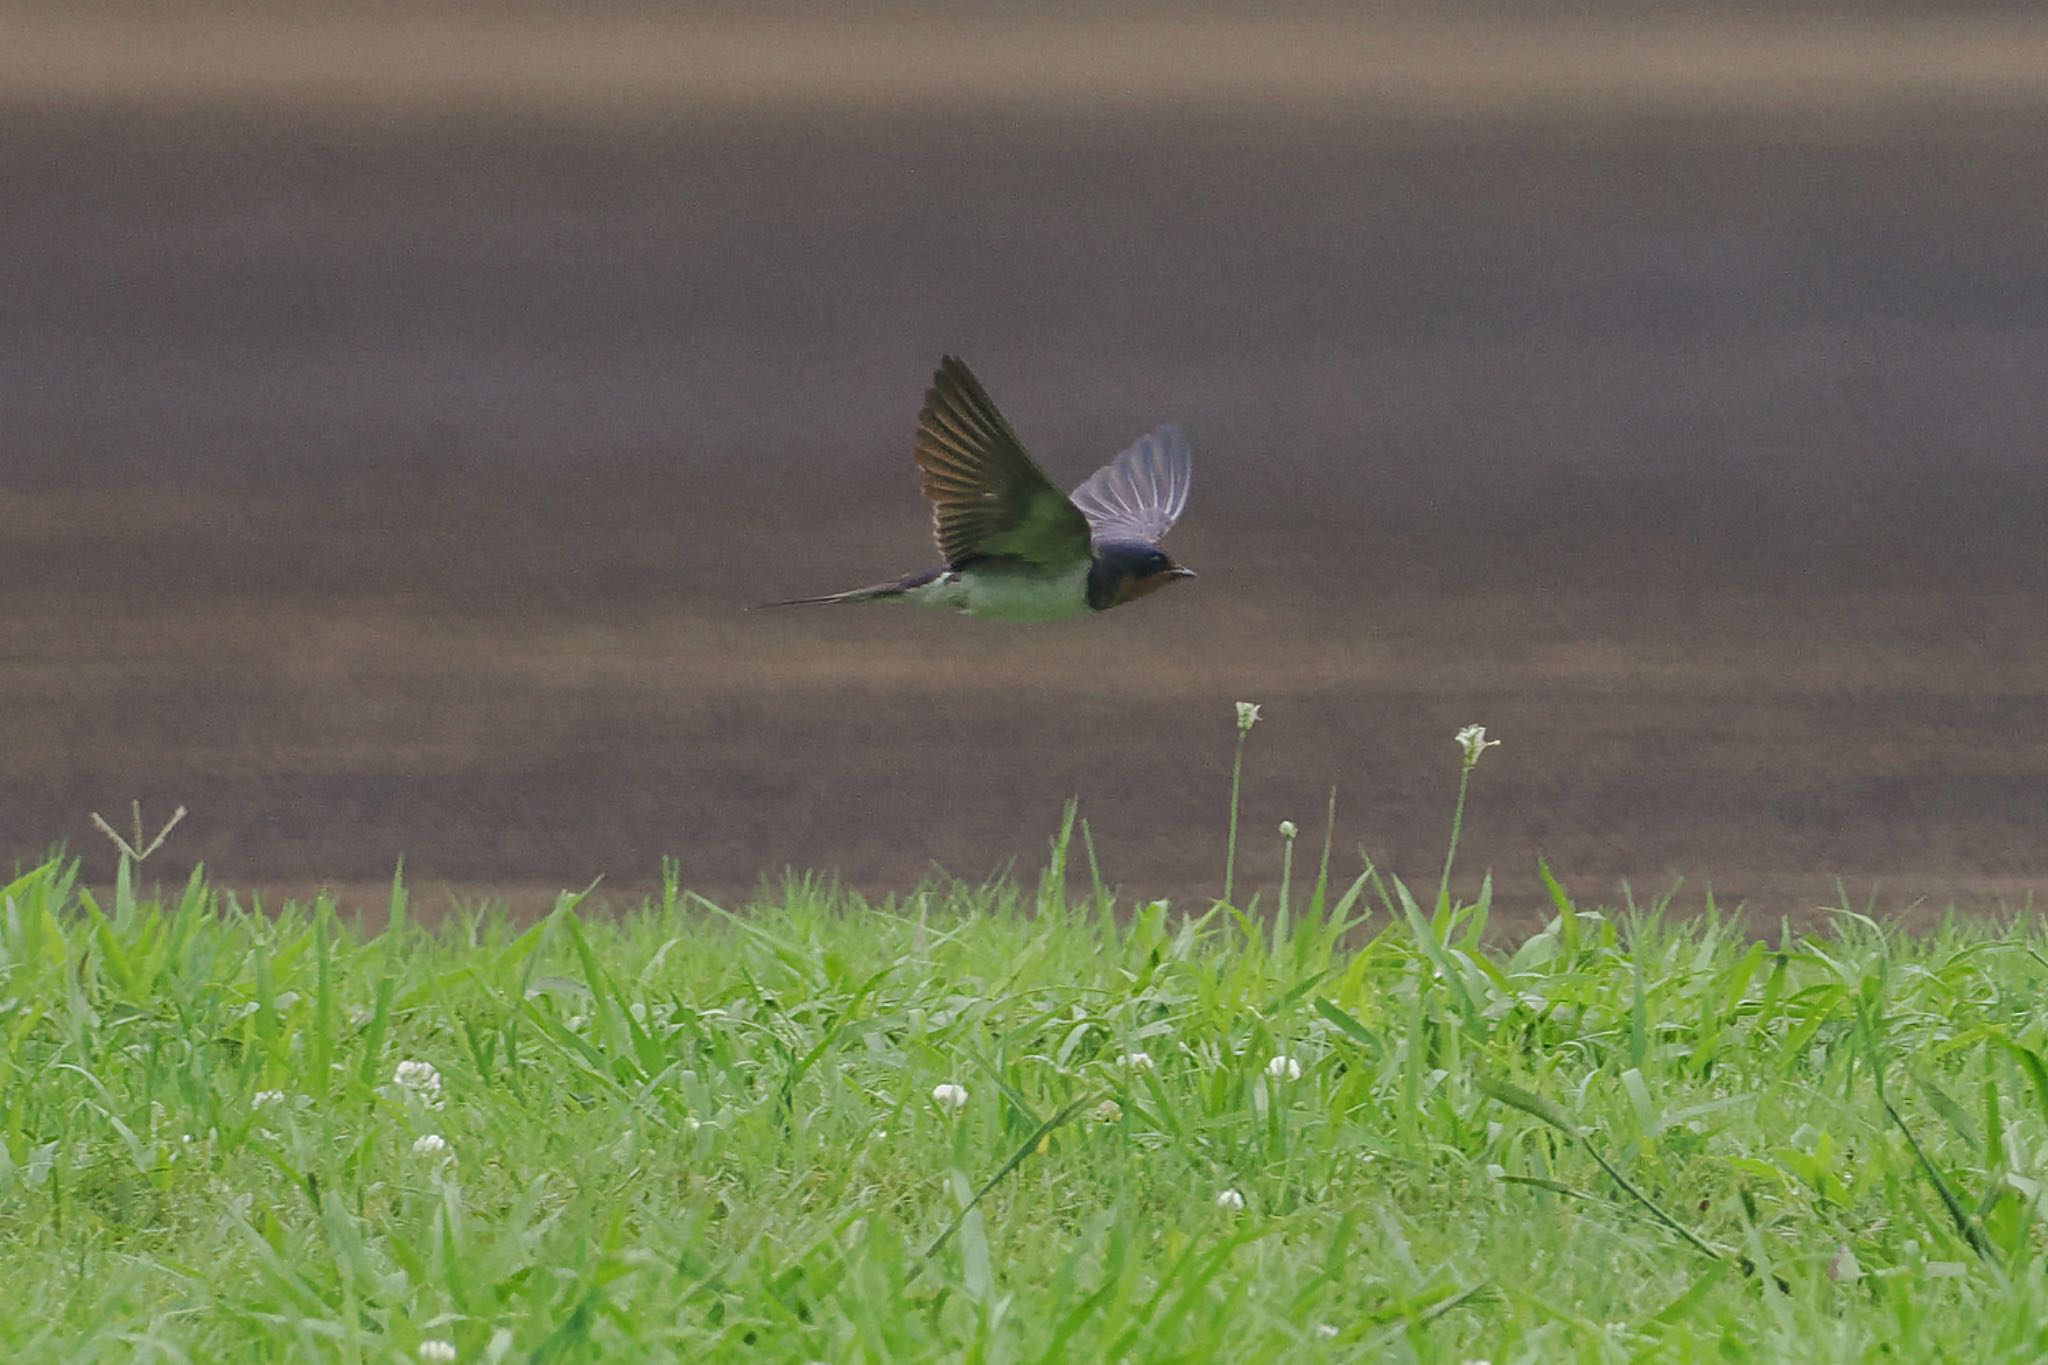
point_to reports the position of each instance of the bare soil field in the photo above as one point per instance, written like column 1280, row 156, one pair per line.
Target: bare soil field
column 386, row 459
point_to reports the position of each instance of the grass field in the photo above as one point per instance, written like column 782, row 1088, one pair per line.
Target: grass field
column 1013, row 1123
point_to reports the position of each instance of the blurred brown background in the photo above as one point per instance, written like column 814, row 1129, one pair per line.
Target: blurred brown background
column 398, row 405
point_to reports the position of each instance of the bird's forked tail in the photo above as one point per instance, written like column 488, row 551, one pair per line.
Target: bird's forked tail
column 877, row 593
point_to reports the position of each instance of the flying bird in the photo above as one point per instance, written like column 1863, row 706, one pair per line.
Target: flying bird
column 1016, row 548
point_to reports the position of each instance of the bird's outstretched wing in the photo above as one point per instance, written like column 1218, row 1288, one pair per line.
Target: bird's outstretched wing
column 988, row 498
column 1141, row 493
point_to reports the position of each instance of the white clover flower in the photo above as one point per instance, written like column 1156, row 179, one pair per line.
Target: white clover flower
column 418, row 1077
column 1472, row 739
column 1136, row 1061
column 1230, row 1201
column 950, row 1096
column 1284, row 1068
column 433, row 1144
column 263, row 1097
column 1247, row 716
column 1288, row 829
column 436, row 1352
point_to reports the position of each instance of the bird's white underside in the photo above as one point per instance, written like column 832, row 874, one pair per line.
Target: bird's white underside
column 1008, row 594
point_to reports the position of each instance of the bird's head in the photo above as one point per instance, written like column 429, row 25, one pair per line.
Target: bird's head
column 1126, row 570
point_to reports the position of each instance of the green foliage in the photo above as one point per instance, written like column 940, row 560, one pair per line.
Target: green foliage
column 689, row 1131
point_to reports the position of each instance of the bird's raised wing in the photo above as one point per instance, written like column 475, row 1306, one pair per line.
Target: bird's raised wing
column 1141, row 493
column 988, row 498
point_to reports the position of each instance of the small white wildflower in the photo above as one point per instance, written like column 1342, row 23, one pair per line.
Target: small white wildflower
column 1472, row 739
column 693, row 1123
column 263, row 1097
column 1230, row 1201
column 1136, row 1061
column 418, row 1077
column 658, row 1015
column 436, row 1352
column 433, row 1144
column 1247, row 716
column 1109, row 1111
column 1288, row 829
column 950, row 1096
column 1326, row 1330
column 1284, row 1068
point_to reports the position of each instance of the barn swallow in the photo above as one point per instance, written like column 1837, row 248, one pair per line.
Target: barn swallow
column 1016, row 548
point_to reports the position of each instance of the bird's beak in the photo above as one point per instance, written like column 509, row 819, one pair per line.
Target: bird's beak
column 1178, row 572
